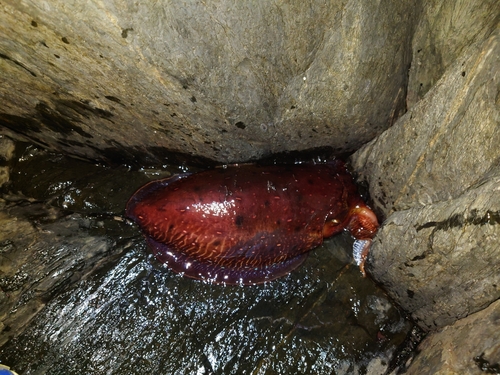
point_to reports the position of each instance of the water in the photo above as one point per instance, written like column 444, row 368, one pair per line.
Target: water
column 125, row 313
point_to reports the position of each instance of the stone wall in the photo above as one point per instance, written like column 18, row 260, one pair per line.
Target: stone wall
column 119, row 80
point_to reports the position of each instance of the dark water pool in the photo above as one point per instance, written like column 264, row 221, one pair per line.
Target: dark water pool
column 127, row 314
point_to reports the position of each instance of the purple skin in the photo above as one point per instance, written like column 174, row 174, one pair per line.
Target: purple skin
column 249, row 224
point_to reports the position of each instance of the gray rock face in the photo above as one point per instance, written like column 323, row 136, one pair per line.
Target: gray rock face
column 446, row 143
column 470, row 346
column 435, row 176
column 227, row 81
column 445, row 30
column 442, row 260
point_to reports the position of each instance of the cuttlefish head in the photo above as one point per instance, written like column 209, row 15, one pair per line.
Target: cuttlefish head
column 363, row 223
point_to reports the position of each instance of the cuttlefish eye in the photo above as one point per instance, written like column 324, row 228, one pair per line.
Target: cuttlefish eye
column 333, row 226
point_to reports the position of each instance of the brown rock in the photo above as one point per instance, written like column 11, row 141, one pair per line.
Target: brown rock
column 441, row 262
column 435, row 175
column 445, row 30
column 223, row 80
column 470, row 346
column 446, row 143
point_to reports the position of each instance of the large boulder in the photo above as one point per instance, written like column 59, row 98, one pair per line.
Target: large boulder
column 435, row 176
column 222, row 80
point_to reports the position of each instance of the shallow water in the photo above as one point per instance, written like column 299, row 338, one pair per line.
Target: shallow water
column 128, row 314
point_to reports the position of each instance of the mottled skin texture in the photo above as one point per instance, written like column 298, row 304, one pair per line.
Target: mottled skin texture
column 248, row 224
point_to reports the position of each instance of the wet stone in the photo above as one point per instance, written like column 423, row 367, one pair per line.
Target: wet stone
column 311, row 320
column 100, row 303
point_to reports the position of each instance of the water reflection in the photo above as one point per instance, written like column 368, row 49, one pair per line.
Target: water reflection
column 136, row 317
column 130, row 315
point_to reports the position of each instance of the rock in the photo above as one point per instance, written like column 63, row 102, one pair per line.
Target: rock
column 441, row 262
column 7, row 148
column 470, row 346
column 136, row 318
column 6, row 153
column 4, row 175
column 37, row 262
column 226, row 81
column 445, row 144
column 444, row 31
column 435, row 176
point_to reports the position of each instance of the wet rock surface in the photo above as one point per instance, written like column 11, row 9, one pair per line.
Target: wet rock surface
column 225, row 81
column 92, row 299
column 51, row 234
column 134, row 318
column 38, row 260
